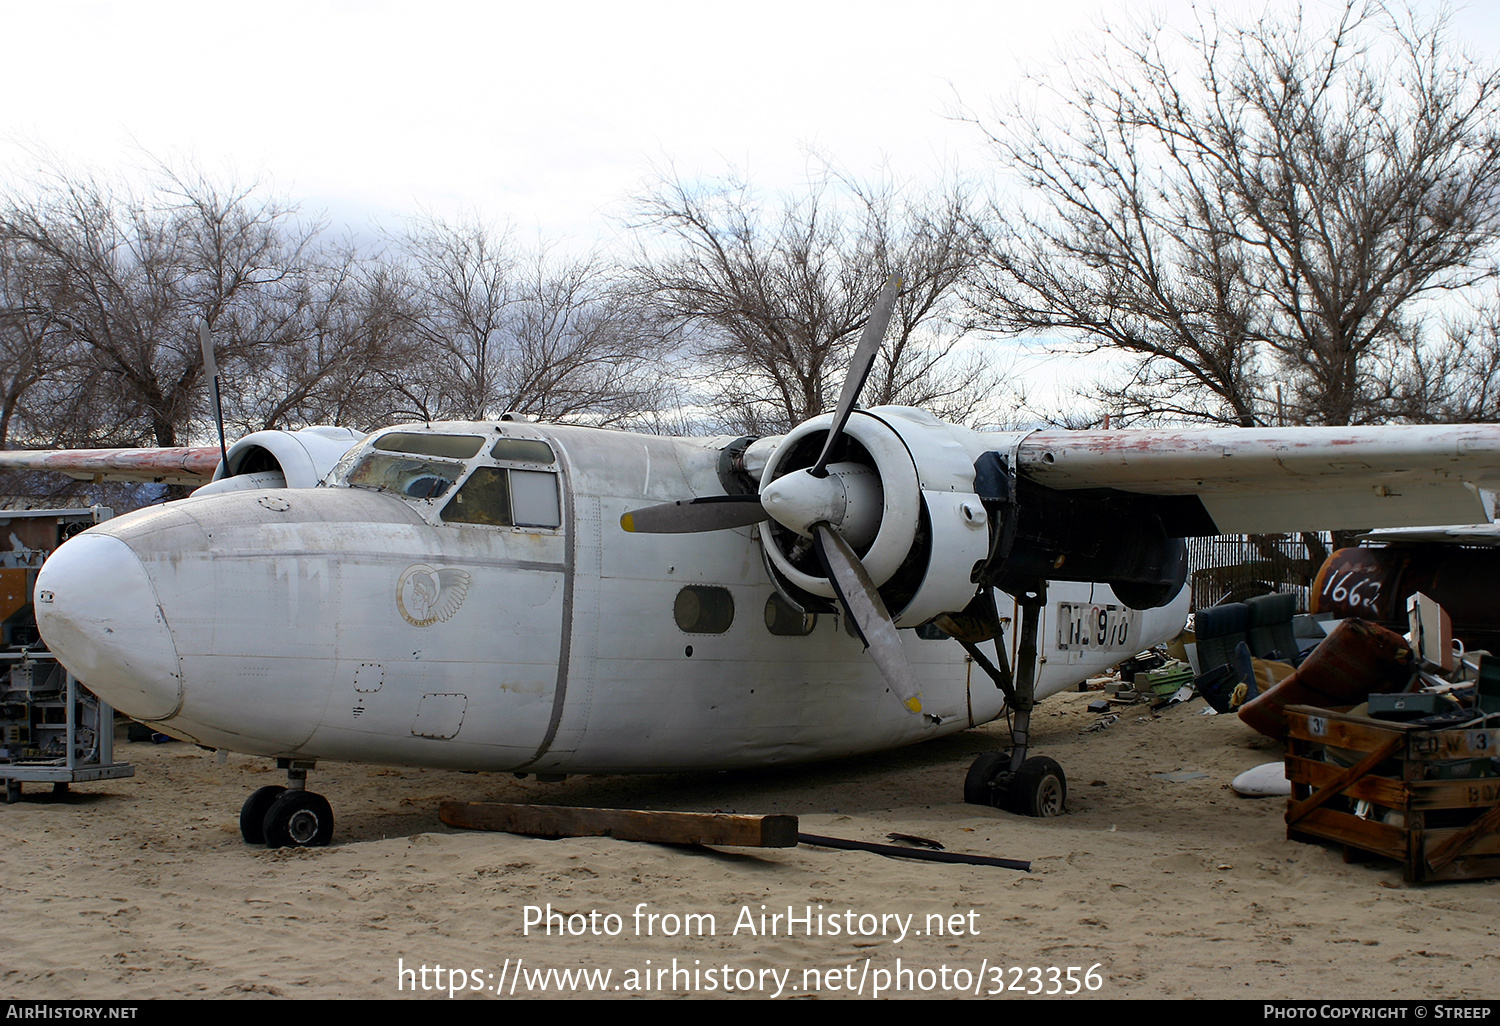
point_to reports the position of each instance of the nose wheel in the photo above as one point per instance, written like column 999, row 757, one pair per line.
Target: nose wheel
column 287, row 817
column 299, row 819
column 253, row 813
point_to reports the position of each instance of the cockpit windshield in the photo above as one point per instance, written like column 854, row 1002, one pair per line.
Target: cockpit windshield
column 421, row 466
column 407, row 476
column 426, row 443
column 404, row 467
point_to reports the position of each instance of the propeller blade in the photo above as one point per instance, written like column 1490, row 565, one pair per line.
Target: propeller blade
column 211, row 370
column 863, row 604
column 689, row 516
column 859, row 369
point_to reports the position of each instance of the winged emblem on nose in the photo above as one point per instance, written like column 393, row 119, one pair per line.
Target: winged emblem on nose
column 427, row 595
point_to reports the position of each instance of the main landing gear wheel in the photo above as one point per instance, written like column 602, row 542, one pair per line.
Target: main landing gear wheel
column 1039, row 788
column 982, row 785
column 299, row 819
column 253, row 813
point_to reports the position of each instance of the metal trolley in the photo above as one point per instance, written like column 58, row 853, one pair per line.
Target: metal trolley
column 52, row 729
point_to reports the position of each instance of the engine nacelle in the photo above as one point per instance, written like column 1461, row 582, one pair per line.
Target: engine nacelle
column 1099, row 535
column 932, row 527
column 281, row 459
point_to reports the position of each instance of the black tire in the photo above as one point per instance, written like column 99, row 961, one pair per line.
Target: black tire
column 299, row 819
column 1039, row 788
column 980, row 783
column 253, row 813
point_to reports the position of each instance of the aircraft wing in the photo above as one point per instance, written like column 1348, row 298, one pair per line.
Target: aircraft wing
column 1252, row 481
column 1473, row 535
column 190, row 465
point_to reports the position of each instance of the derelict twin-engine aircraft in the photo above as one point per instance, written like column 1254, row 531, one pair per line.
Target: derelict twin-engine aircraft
column 535, row 598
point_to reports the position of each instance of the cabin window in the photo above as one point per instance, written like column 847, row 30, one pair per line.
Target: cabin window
column 483, row 499
column 421, row 443
column 701, row 609
column 407, row 477
column 787, row 620
column 500, row 497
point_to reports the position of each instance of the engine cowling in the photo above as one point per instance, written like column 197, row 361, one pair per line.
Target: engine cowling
column 933, row 511
column 901, row 494
column 281, row 459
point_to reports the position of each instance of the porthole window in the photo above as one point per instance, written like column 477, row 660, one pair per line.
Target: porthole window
column 701, row 609
column 787, row 620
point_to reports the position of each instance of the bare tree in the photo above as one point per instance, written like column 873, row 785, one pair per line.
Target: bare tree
column 102, row 288
column 1460, row 380
column 584, row 348
column 771, row 297
column 488, row 328
column 122, row 279
column 33, row 345
column 1259, row 223
column 325, row 349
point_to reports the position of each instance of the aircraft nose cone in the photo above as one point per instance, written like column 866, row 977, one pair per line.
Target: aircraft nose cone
column 98, row 613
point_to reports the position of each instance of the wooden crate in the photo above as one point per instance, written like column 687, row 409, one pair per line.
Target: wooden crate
column 1430, row 806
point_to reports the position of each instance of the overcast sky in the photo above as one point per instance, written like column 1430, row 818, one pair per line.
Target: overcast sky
column 547, row 115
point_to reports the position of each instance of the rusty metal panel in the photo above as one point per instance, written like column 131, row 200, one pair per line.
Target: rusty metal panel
column 184, row 465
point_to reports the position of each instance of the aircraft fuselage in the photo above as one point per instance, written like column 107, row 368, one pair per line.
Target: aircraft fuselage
column 401, row 620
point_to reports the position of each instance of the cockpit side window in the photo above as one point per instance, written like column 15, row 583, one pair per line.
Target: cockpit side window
column 483, row 499
column 533, row 498
column 503, row 497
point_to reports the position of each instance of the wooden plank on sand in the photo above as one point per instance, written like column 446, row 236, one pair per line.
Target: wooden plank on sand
column 624, row 824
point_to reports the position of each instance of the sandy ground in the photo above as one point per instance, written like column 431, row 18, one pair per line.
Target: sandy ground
column 142, row 888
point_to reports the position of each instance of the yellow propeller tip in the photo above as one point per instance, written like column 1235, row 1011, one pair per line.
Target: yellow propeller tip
column 627, row 522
